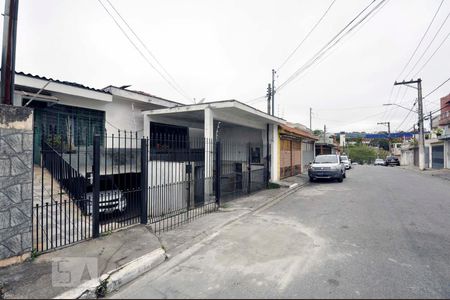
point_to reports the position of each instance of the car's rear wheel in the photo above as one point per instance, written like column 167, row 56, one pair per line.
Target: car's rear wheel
column 340, row 179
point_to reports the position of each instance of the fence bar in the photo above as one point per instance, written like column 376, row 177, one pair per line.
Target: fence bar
column 144, row 181
column 218, row 172
column 96, row 188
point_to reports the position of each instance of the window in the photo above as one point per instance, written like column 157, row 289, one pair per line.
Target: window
column 255, row 155
column 164, row 137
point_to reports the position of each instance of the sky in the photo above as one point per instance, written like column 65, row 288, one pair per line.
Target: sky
column 217, row 50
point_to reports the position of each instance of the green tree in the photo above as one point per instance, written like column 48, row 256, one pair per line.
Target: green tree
column 317, row 132
column 362, row 154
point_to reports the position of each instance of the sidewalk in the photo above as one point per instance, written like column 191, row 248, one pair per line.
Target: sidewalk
column 179, row 239
column 440, row 173
column 33, row 279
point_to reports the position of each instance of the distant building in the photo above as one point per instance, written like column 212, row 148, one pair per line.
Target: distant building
column 443, row 152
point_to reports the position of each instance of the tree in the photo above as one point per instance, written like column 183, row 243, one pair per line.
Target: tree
column 380, row 143
column 317, row 132
column 362, row 154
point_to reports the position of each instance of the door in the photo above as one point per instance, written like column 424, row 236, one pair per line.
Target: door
column 296, row 165
column 437, row 153
column 285, row 158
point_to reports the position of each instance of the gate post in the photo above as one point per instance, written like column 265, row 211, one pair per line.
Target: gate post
column 218, row 172
column 144, row 181
column 96, row 188
column 249, row 169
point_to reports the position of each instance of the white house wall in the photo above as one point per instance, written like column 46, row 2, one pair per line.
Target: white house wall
column 119, row 114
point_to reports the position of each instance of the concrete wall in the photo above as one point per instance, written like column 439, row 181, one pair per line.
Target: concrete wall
column 308, row 151
column 16, row 153
column 407, row 157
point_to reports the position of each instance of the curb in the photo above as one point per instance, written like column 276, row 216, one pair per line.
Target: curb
column 116, row 278
column 113, row 280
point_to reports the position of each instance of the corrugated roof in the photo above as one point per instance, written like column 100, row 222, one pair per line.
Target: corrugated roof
column 300, row 132
column 74, row 84
column 143, row 93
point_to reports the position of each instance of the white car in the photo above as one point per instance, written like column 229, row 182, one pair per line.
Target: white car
column 379, row 162
column 327, row 167
column 346, row 162
column 110, row 201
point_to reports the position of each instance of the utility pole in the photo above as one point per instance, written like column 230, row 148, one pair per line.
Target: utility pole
column 310, row 118
column 324, row 133
column 269, row 96
column 420, row 112
column 389, row 133
column 431, row 123
column 9, row 51
column 273, row 92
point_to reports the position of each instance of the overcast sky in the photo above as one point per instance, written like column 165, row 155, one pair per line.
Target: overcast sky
column 226, row 49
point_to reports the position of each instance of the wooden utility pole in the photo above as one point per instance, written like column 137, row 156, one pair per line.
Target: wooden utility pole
column 273, row 92
column 420, row 121
column 310, row 118
column 389, row 133
column 9, row 51
column 431, row 123
column 269, row 98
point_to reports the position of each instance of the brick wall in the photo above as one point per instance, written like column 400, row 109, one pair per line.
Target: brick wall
column 16, row 154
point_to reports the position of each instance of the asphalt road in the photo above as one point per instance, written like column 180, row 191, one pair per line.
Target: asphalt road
column 382, row 233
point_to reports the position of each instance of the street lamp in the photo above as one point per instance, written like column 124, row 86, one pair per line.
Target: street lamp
column 390, row 104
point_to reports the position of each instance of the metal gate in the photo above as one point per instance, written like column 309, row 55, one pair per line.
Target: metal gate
column 189, row 177
column 437, row 153
column 290, row 157
column 85, row 185
column 89, row 185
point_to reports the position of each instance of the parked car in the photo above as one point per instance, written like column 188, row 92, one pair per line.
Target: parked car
column 327, row 167
column 109, row 201
column 379, row 162
column 346, row 162
column 392, row 161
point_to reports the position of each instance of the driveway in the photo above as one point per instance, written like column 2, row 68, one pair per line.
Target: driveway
column 382, row 233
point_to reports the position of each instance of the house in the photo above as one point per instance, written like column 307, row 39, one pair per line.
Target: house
column 297, row 149
column 327, row 144
column 184, row 142
column 444, row 134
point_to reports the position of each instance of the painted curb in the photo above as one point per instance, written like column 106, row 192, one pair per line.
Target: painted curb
column 116, row 278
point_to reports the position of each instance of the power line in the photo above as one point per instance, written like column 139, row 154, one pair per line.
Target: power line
column 148, row 50
column 307, row 35
column 139, row 50
column 421, row 40
column 335, row 40
column 407, row 115
column 329, row 53
column 429, row 45
column 435, row 51
column 436, row 88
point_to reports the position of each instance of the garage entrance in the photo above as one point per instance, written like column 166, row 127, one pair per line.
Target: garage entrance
column 290, row 157
column 437, row 153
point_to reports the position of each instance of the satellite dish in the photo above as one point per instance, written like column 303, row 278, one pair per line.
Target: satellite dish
column 201, row 101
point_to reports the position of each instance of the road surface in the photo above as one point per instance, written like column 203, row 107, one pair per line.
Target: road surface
column 384, row 232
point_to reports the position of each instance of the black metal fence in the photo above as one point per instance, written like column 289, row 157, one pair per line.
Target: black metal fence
column 189, row 177
column 87, row 188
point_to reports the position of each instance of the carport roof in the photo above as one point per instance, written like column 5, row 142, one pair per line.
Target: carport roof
column 230, row 105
